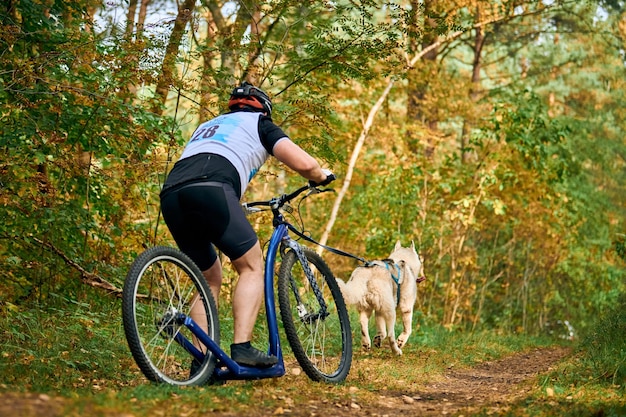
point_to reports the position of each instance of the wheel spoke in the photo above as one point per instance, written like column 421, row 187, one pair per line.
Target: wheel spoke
column 161, row 284
column 315, row 317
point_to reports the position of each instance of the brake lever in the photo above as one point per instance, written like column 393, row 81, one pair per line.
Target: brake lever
column 316, row 190
column 325, row 190
column 250, row 210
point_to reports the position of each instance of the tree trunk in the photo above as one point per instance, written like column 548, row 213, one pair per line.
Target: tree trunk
column 141, row 19
column 130, row 20
column 207, row 81
column 479, row 42
column 418, row 79
column 355, row 155
column 168, row 68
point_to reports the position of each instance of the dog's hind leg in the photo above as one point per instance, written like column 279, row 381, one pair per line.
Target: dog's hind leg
column 407, row 322
column 391, row 321
column 385, row 329
column 364, row 318
column 381, row 329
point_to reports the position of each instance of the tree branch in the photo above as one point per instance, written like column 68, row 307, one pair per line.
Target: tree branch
column 372, row 114
column 88, row 277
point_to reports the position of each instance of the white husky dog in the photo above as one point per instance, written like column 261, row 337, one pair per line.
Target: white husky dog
column 382, row 287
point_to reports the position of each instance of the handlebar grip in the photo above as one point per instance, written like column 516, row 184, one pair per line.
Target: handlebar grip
column 329, row 178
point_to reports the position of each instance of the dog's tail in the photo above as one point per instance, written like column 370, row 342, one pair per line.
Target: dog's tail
column 350, row 291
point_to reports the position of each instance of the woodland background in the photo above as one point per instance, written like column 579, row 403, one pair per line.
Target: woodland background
column 490, row 133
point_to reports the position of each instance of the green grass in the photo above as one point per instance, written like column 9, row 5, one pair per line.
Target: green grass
column 64, row 350
column 77, row 350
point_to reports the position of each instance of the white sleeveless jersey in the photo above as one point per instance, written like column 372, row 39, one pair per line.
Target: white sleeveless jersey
column 234, row 136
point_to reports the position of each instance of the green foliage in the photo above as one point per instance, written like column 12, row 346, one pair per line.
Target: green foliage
column 400, row 188
column 540, row 141
column 518, row 230
column 67, row 143
column 344, row 40
column 72, row 345
column 603, row 348
column 620, row 246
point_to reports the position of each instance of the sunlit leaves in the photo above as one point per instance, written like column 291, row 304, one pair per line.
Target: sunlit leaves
column 511, row 233
column 67, row 143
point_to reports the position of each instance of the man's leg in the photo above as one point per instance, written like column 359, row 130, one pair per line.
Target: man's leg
column 249, row 295
column 213, row 276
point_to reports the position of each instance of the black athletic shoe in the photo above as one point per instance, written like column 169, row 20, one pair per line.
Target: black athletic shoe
column 245, row 354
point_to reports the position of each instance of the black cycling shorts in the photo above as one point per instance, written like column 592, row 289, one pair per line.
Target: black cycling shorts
column 203, row 214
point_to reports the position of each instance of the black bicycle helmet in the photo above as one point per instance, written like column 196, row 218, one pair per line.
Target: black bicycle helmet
column 247, row 95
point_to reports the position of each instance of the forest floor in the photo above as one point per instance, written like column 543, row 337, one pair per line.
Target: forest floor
column 489, row 388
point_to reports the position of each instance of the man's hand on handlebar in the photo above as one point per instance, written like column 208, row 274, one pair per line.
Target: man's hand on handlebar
column 330, row 177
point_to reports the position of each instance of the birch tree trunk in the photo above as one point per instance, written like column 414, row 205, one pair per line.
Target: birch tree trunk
column 370, row 120
column 359, row 144
column 355, row 155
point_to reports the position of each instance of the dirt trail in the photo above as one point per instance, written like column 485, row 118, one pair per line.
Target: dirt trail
column 491, row 386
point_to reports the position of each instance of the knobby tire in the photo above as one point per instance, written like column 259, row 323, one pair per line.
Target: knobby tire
column 322, row 345
column 162, row 281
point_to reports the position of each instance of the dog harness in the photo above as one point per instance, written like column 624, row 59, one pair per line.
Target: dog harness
column 389, row 263
column 396, row 278
column 366, row 263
